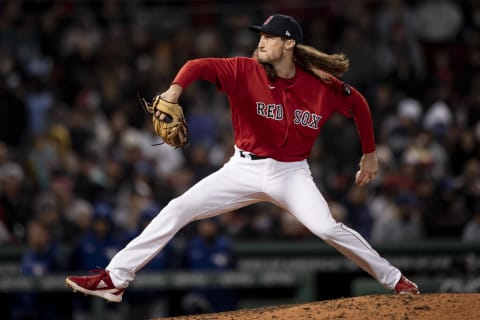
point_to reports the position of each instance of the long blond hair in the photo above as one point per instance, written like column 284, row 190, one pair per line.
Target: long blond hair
column 320, row 64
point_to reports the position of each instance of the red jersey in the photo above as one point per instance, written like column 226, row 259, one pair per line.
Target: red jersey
column 279, row 119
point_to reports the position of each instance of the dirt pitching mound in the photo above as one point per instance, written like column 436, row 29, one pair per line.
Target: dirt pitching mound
column 439, row 306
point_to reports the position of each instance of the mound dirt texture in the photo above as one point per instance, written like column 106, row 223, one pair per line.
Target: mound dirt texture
column 441, row 306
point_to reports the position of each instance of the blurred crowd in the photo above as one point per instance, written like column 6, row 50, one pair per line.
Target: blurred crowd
column 80, row 164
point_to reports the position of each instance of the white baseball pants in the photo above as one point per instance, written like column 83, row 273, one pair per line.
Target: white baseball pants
column 241, row 182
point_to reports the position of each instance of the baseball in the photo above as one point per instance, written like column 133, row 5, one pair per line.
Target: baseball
column 357, row 175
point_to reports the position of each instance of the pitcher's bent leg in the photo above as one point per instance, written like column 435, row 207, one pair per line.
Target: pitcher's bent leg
column 150, row 242
column 216, row 194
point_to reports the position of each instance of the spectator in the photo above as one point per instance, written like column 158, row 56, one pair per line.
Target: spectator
column 98, row 245
column 405, row 225
column 438, row 119
column 202, row 124
column 444, row 208
column 391, row 12
column 382, row 108
column 42, row 257
column 131, row 201
column 463, row 147
column 356, row 45
column 59, row 138
column 209, row 250
column 15, row 210
column 383, row 205
column 400, row 59
column 42, row 159
column 471, row 231
column 199, row 162
column 43, row 254
column 400, row 129
column 358, row 212
column 47, row 211
column 427, row 154
column 438, row 21
column 79, row 217
column 470, row 183
column 39, row 100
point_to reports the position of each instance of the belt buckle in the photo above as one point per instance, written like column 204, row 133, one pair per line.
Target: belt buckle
column 246, row 155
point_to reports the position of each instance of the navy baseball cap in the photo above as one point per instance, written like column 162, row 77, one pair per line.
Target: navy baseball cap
column 281, row 26
column 102, row 210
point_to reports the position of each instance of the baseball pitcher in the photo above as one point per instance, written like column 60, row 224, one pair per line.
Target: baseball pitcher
column 279, row 99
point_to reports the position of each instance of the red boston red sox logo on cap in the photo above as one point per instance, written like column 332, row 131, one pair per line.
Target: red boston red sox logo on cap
column 268, row 20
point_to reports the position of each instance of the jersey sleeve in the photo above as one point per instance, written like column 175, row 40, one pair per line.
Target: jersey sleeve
column 353, row 104
column 222, row 72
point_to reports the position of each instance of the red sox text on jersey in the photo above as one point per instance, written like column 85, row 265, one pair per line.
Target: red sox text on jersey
column 307, row 118
column 301, row 117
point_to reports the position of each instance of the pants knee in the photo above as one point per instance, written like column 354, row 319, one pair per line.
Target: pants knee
column 325, row 232
column 176, row 206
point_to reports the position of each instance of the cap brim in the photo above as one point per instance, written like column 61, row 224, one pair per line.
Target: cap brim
column 259, row 29
column 255, row 28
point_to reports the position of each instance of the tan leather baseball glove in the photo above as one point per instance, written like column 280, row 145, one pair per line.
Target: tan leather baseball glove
column 173, row 129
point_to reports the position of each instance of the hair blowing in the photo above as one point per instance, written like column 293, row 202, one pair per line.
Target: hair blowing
column 320, row 64
column 309, row 58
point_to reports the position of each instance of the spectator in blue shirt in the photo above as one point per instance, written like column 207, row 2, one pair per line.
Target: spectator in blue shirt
column 209, row 250
column 41, row 257
column 96, row 247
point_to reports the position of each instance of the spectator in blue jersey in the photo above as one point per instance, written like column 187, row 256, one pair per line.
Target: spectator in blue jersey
column 98, row 245
column 205, row 251
column 359, row 215
column 41, row 257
